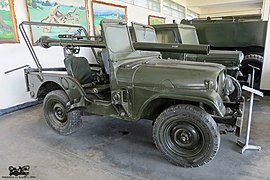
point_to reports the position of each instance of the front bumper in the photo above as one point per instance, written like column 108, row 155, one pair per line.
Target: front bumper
column 234, row 116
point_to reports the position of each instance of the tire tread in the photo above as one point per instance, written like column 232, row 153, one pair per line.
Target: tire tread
column 182, row 108
column 74, row 121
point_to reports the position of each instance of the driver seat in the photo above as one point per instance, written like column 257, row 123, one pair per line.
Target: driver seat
column 79, row 68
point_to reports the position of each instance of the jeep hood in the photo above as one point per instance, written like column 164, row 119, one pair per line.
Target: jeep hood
column 174, row 73
column 152, row 78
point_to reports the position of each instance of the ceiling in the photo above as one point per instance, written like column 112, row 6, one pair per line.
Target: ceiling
column 222, row 3
column 225, row 7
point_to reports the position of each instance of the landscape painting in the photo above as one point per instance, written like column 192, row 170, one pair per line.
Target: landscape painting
column 72, row 12
column 101, row 10
column 152, row 20
column 8, row 24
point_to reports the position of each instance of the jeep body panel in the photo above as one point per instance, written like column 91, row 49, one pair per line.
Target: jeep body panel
column 141, row 85
column 71, row 86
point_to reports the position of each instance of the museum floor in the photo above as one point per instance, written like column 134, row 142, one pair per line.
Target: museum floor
column 106, row 148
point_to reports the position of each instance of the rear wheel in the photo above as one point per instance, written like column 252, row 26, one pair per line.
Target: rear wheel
column 254, row 60
column 186, row 135
column 56, row 115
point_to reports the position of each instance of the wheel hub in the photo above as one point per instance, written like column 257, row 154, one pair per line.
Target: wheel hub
column 59, row 111
column 185, row 136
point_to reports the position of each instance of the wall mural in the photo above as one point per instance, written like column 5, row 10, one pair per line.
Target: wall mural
column 152, row 20
column 8, row 24
column 56, row 11
column 102, row 10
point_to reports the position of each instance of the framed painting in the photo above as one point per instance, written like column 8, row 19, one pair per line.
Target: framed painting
column 152, row 20
column 74, row 12
column 8, row 24
column 102, row 10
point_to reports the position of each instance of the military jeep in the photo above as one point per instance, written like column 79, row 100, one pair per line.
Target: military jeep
column 163, row 35
column 185, row 100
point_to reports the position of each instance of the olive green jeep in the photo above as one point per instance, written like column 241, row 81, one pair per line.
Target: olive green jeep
column 185, row 100
column 186, row 34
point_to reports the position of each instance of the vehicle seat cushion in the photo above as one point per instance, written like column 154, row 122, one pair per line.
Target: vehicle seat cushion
column 79, row 68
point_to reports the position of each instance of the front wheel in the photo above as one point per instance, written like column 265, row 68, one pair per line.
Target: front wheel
column 186, row 135
column 56, row 115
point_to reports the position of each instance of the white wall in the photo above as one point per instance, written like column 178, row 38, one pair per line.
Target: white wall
column 15, row 55
column 265, row 10
column 265, row 83
column 229, row 11
column 136, row 13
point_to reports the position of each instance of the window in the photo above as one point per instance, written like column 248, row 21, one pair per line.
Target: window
column 191, row 14
column 113, row 34
column 166, row 36
column 173, row 9
column 128, row 1
column 189, row 36
column 149, row 4
column 146, row 35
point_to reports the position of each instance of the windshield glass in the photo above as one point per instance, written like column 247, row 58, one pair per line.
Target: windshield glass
column 145, row 34
column 166, row 36
column 117, row 39
column 189, row 36
column 119, row 43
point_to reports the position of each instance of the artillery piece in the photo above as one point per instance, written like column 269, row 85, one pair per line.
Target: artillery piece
column 68, row 40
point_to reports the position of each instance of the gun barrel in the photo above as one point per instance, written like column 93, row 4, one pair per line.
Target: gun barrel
column 172, row 47
column 48, row 42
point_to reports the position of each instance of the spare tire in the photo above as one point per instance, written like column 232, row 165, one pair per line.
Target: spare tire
column 254, row 60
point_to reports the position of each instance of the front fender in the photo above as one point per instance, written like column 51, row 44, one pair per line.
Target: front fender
column 211, row 98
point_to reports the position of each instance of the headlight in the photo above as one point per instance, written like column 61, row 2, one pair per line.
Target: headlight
column 221, row 78
column 221, row 83
column 229, row 87
column 241, row 57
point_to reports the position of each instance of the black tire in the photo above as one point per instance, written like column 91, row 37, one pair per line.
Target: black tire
column 237, row 93
column 254, row 60
column 56, row 115
column 186, row 135
column 254, row 56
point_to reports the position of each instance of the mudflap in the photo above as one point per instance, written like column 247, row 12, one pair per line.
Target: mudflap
column 75, row 118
